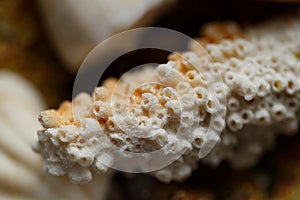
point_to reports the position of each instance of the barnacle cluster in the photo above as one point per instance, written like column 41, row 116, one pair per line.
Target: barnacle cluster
column 182, row 107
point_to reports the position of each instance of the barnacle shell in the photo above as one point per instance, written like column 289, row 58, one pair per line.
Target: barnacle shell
column 21, row 172
column 77, row 26
column 260, row 68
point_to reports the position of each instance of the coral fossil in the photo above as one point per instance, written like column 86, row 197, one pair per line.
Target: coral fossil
column 259, row 67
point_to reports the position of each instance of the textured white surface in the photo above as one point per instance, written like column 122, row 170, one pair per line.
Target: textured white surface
column 260, row 68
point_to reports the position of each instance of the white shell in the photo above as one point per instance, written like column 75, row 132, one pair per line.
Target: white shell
column 77, row 26
column 21, row 171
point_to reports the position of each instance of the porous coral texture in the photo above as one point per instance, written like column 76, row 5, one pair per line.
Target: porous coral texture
column 259, row 67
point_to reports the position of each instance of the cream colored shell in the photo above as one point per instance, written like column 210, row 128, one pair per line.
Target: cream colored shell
column 77, row 26
column 21, row 172
column 260, row 69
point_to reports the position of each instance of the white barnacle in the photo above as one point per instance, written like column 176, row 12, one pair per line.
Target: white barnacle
column 262, row 117
column 278, row 111
column 263, row 87
column 168, row 75
column 227, row 47
column 234, row 122
column 243, row 48
column 215, row 52
column 233, row 104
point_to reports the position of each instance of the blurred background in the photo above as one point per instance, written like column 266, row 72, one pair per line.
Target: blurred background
column 29, row 48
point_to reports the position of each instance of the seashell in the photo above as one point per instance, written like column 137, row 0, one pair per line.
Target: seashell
column 21, row 171
column 77, row 26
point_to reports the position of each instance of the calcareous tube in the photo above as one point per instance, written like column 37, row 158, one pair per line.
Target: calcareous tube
column 260, row 70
